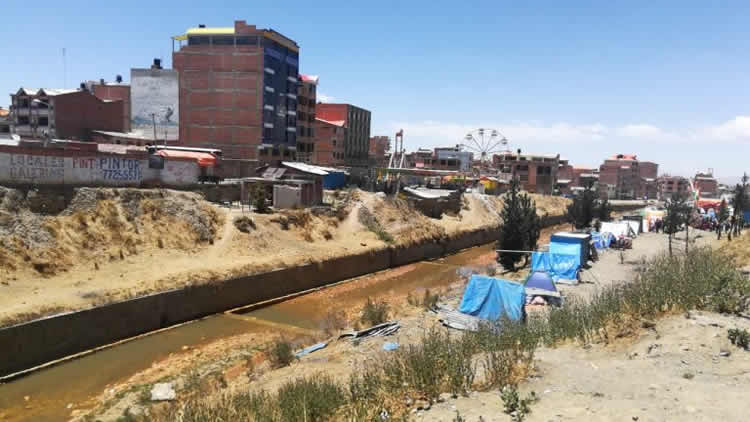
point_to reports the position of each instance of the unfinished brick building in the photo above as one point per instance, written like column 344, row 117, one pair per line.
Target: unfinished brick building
column 238, row 91
column 623, row 176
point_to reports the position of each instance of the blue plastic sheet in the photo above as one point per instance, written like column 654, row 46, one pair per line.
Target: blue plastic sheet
column 310, row 349
column 559, row 248
column 558, row 266
column 490, row 298
column 390, row 346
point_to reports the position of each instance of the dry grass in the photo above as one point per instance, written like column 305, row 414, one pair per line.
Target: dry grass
column 738, row 248
column 121, row 223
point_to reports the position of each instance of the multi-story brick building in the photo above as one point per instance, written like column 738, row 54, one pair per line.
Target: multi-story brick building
column 5, row 123
column 379, row 146
column 357, row 123
column 537, row 173
column 706, row 185
column 669, row 185
column 238, row 91
column 64, row 113
column 306, row 99
column 114, row 91
column 329, row 143
column 622, row 176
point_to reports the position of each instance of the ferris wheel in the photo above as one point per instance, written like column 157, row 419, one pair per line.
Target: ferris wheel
column 484, row 143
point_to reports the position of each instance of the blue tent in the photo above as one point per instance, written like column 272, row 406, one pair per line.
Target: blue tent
column 540, row 280
column 559, row 266
column 490, row 298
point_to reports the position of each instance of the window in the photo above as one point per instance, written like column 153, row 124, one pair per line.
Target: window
column 247, row 40
column 43, row 121
column 291, row 137
column 291, row 121
column 23, row 120
column 202, row 40
column 286, row 153
column 524, row 177
column 310, row 132
column 264, row 152
column 225, row 40
column 267, row 133
column 334, row 142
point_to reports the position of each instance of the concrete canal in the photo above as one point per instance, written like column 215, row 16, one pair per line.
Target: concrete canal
column 50, row 394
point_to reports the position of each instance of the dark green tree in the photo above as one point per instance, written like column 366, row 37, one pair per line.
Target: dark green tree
column 722, row 216
column 259, row 199
column 583, row 208
column 520, row 228
column 677, row 212
column 604, row 210
column 740, row 202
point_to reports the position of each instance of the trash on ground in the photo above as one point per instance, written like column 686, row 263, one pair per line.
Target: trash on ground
column 390, row 346
column 313, row 348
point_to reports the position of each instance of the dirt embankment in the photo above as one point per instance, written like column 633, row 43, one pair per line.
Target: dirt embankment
column 111, row 244
column 98, row 226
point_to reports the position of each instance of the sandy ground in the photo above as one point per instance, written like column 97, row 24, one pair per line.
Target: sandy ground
column 675, row 371
column 93, row 279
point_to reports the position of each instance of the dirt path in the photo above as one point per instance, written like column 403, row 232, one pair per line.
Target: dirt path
column 675, row 372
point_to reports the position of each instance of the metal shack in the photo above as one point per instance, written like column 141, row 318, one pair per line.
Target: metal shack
column 581, row 240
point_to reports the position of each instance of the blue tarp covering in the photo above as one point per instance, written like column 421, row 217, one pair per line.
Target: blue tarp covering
column 559, row 248
column 558, row 266
column 747, row 216
column 569, row 238
column 490, row 298
column 602, row 240
column 334, row 180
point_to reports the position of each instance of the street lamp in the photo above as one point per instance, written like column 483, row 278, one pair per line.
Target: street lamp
column 37, row 101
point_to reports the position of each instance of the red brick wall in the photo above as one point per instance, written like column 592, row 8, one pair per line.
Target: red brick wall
column 116, row 92
column 221, row 96
column 331, row 112
column 78, row 113
column 326, row 153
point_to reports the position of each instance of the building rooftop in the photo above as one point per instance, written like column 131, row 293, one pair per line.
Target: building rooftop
column 309, row 78
column 339, row 123
column 630, row 157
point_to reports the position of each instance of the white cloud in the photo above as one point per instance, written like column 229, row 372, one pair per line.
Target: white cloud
column 682, row 151
column 533, row 134
column 323, row 98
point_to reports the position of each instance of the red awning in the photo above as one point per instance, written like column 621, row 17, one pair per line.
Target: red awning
column 203, row 159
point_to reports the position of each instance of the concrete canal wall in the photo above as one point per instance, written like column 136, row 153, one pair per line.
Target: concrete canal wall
column 34, row 343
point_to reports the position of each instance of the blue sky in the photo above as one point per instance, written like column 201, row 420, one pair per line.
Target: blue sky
column 667, row 81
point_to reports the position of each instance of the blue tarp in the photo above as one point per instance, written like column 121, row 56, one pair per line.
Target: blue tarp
column 559, row 248
column 558, row 266
column 490, row 298
column 747, row 216
column 334, row 180
column 574, row 239
column 602, row 240
column 308, row 350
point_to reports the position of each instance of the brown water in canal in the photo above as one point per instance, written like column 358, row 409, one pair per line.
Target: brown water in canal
column 74, row 382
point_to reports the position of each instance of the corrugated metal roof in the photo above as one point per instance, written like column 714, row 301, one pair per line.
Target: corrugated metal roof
column 305, row 168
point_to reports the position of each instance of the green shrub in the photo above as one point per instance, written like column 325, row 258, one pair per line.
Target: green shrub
column 374, row 313
column 280, row 353
column 514, row 405
column 310, row 399
column 740, row 338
